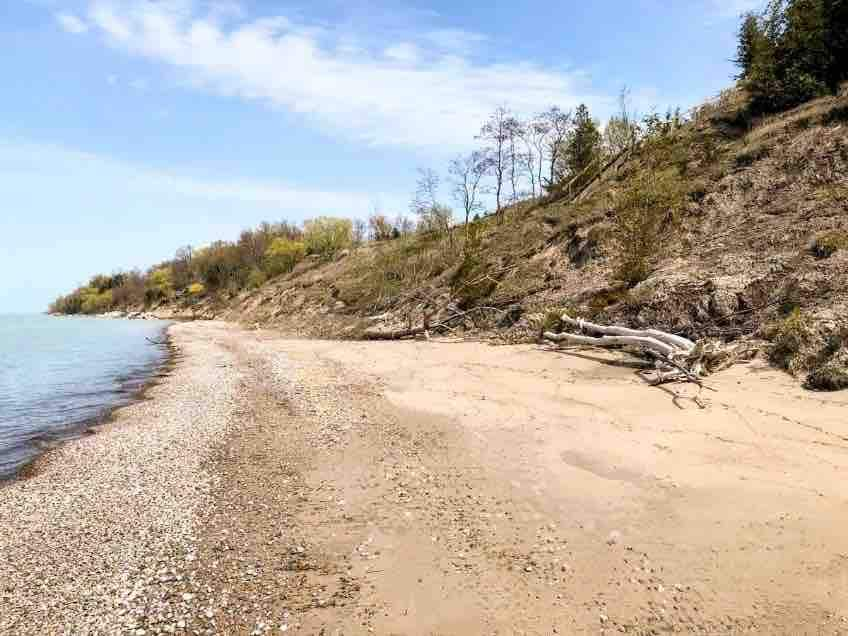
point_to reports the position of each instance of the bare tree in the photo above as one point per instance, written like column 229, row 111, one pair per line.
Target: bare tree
column 557, row 126
column 533, row 135
column 496, row 134
column 360, row 231
column 404, row 225
column 514, row 131
column 434, row 217
column 466, row 175
column 381, row 227
column 622, row 129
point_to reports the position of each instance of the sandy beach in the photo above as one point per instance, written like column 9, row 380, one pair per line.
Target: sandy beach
column 271, row 486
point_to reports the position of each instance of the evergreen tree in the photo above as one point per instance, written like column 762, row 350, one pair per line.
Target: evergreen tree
column 795, row 51
column 583, row 145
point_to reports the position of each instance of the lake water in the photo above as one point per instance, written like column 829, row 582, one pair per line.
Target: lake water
column 58, row 374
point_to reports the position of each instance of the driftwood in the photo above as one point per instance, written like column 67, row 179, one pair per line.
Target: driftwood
column 675, row 357
column 381, row 333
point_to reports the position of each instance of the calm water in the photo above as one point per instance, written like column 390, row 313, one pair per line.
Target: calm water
column 57, row 374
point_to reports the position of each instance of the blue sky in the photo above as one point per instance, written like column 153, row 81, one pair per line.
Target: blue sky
column 131, row 127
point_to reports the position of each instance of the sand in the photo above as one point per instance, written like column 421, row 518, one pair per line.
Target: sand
column 275, row 486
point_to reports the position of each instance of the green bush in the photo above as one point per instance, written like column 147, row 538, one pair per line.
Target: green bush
column 283, row 255
column 791, row 337
column 646, row 214
column 325, row 236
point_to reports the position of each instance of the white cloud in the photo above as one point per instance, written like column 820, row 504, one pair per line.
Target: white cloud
column 403, row 52
column 71, row 23
column 437, row 97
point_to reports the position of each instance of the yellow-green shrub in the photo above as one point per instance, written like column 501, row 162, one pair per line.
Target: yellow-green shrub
column 196, row 289
column 326, row 235
column 283, row 255
column 159, row 284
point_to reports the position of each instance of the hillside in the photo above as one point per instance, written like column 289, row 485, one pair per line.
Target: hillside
column 759, row 251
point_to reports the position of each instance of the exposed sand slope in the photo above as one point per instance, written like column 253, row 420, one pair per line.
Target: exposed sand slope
column 443, row 488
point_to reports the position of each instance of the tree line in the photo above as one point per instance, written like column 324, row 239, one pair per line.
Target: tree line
column 517, row 159
column 793, row 51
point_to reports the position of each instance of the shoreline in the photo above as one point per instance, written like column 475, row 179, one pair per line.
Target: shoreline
column 49, row 441
column 272, row 485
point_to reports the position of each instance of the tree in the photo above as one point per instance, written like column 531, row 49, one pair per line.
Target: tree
column 582, row 146
column 796, row 50
column 514, row 131
column 404, row 226
column 496, row 135
column 434, row 218
column 325, row 235
column 359, row 232
column 159, row 284
column 380, row 227
column 282, row 255
column 557, row 125
column 622, row 129
column 533, row 134
column 466, row 178
column 181, row 267
column 751, row 42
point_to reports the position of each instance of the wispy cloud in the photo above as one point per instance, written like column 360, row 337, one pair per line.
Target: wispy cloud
column 71, row 23
column 426, row 90
column 43, row 161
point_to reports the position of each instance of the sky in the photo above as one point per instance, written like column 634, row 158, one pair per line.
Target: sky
column 129, row 128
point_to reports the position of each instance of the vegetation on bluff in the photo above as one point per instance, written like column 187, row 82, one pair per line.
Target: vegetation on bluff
column 726, row 221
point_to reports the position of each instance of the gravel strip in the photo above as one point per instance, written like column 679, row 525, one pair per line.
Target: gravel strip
column 92, row 541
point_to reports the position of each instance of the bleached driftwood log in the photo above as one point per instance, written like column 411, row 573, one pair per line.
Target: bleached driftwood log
column 675, row 356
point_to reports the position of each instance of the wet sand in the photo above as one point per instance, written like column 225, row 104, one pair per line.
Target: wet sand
column 291, row 486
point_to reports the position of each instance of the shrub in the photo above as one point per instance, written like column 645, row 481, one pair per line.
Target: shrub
column 831, row 376
column 646, row 213
column 159, row 285
column 326, row 235
column 790, row 338
column 256, row 279
column 283, row 255
column 196, row 289
column 827, row 244
column 95, row 301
